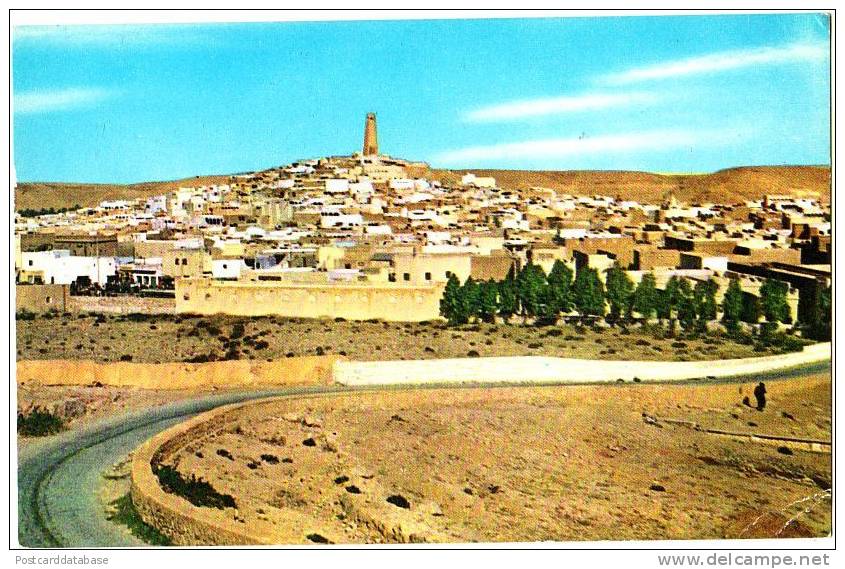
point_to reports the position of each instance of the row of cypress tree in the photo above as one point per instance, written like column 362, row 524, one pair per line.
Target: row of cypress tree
column 531, row 293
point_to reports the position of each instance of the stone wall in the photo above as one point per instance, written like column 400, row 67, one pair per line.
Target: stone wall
column 561, row 370
column 121, row 304
column 309, row 370
column 175, row 517
column 45, row 297
column 42, row 298
column 386, row 301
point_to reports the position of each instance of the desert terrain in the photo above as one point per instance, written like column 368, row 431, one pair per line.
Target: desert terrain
column 522, row 464
column 183, row 338
column 730, row 185
column 56, row 195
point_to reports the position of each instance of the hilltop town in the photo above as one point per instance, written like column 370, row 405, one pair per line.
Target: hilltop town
column 366, row 236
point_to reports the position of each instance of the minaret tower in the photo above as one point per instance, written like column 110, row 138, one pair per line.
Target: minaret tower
column 370, row 136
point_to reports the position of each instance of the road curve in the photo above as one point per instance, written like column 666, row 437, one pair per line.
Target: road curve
column 58, row 477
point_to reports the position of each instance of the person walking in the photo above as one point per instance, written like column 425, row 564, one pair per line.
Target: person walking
column 760, row 395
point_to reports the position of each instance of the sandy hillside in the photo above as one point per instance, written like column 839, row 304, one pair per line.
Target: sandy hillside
column 42, row 195
column 522, row 464
column 725, row 186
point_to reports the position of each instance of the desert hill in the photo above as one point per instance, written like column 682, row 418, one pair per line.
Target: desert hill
column 725, row 186
column 56, row 195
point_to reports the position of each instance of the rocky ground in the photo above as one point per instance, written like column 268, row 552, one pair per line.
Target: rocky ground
column 524, row 464
column 171, row 338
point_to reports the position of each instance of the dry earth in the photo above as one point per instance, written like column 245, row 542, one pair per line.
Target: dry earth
column 731, row 185
column 163, row 338
column 41, row 195
column 523, row 464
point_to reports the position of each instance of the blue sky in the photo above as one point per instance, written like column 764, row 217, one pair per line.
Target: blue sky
column 665, row 94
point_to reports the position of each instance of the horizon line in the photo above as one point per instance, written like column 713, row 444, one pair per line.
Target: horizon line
column 432, row 167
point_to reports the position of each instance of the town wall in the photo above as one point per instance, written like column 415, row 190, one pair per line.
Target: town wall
column 121, row 304
column 41, row 298
column 386, row 301
column 47, row 297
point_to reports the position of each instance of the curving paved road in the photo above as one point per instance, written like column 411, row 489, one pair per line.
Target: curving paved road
column 58, row 477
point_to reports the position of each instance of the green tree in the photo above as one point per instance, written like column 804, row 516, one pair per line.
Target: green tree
column 620, row 289
column 684, row 304
column 471, row 298
column 751, row 310
column 682, row 292
column 588, row 293
column 825, row 315
column 664, row 305
column 645, row 299
column 732, row 305
column 451, row 307
column 560, row 288
column 531, row 290
column 675, row 294
column 704, row 295
column 773, row 301
column 508, row 299
column 672, row 290
column 669, row 298
column 686, row 312
column 488, row 300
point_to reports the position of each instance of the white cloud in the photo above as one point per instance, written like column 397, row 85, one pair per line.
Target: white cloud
column 45, row 101
column 110, row 35
column 557, row 105
column 604, row 144
column 723, row 61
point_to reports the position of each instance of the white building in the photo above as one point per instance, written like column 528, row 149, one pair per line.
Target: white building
column 478, row 182
column 60, row 267
column 227, row 268
column 156, row 204
column 337, row 186
column 362, row 188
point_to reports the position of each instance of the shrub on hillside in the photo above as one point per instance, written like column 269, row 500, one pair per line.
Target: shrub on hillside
column 140, row 317
column 39, row 422
column 195, row 490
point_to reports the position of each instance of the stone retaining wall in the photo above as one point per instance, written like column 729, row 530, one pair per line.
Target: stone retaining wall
column 561, row 370
column 308, row 370
column 175, row 517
